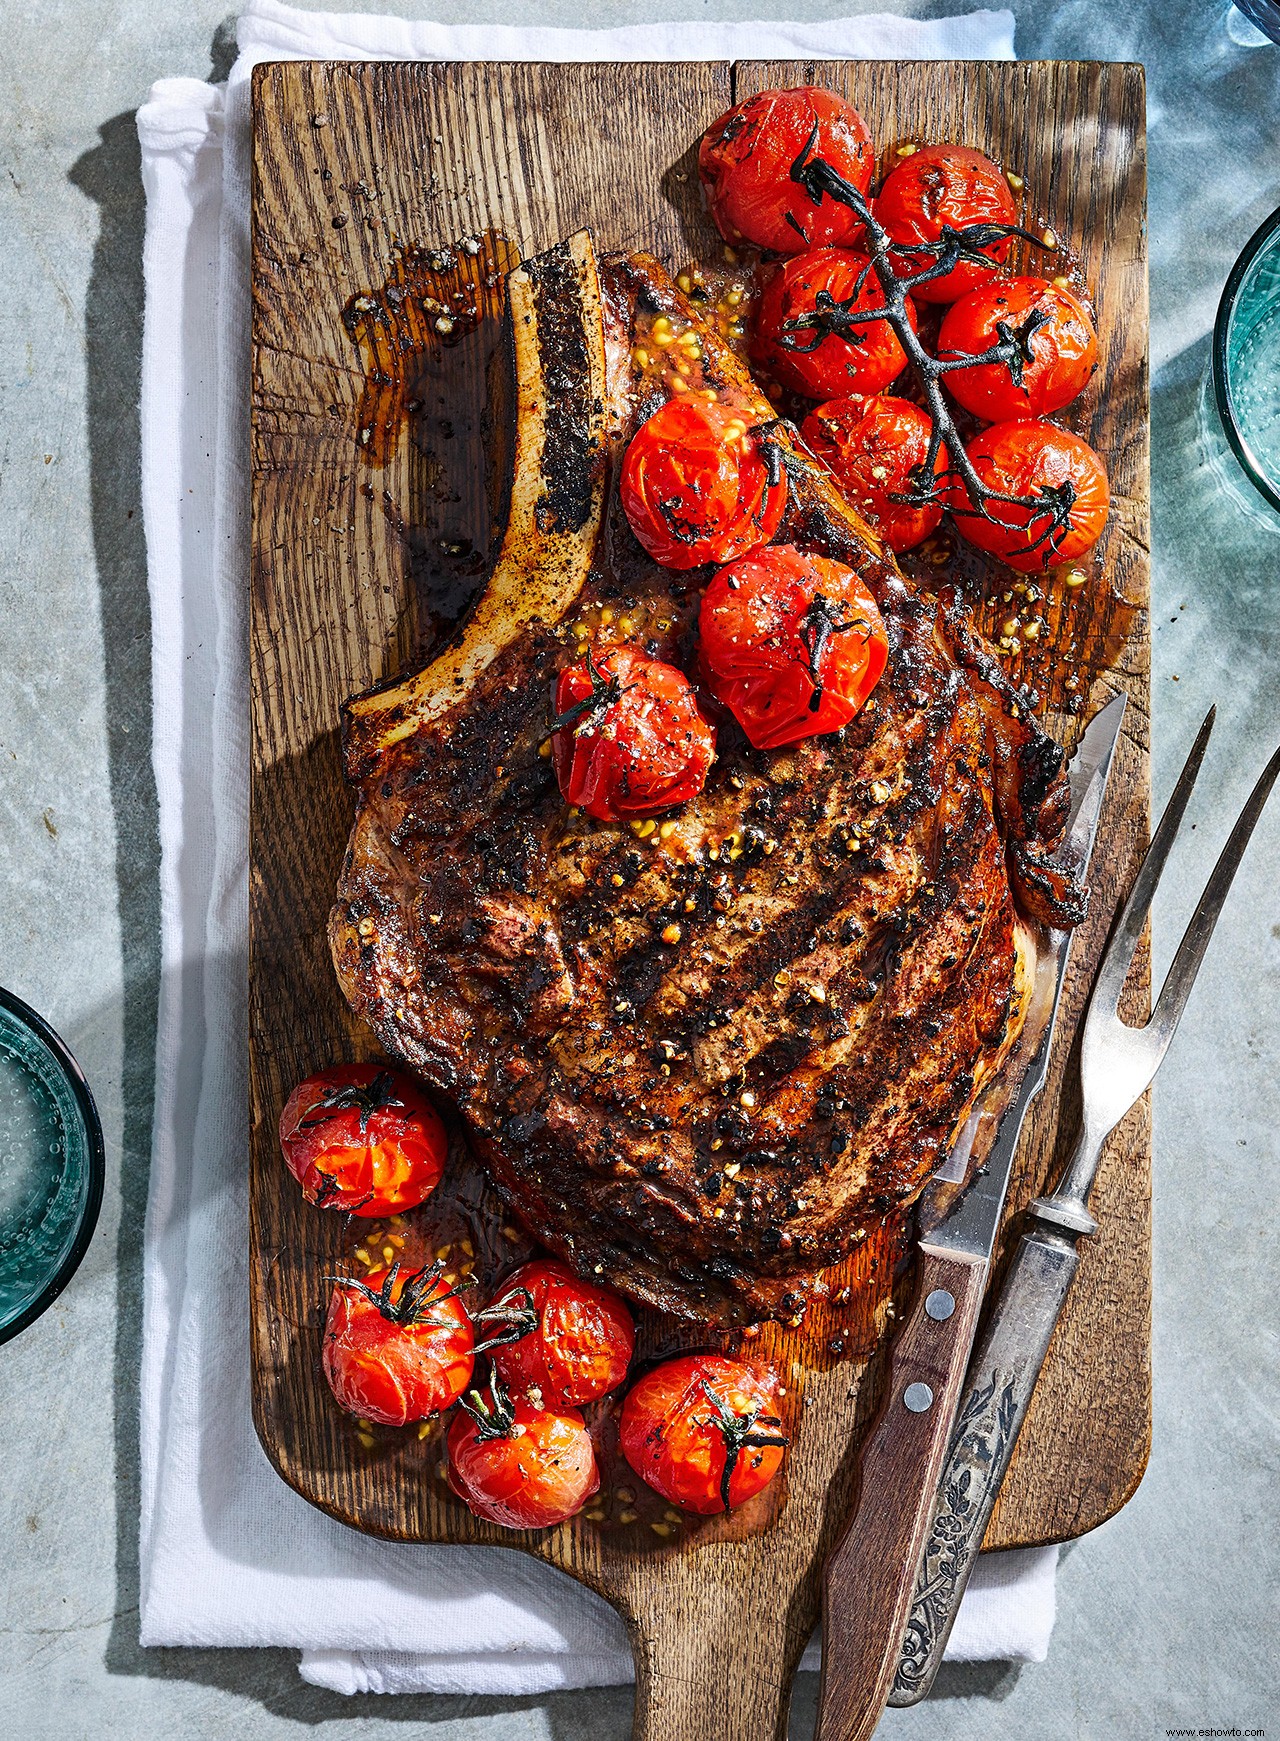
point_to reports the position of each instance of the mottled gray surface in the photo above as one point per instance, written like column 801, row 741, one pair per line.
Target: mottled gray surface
column 1167, row 1614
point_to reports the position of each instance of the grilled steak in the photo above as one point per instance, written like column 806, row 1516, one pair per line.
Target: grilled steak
column 695, row 1057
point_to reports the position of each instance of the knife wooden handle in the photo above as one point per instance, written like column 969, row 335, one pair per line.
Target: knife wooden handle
column 870, row 1573
column 1002, row 1378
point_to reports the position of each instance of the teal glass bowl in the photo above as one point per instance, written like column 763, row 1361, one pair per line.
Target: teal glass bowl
column 1246, row 360
column 51, row 1165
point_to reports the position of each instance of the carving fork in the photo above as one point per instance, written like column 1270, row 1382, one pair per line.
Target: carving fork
column 1117, row 1063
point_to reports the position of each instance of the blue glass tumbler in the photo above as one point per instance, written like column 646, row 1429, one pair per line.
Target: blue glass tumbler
column 51, row 1165
column 1264, row 15
column 1246, row 360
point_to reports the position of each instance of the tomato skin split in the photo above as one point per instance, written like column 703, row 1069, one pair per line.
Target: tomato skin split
column 1056, row 343
column 704, row 1431
column 630, row 739
column 579, row 1345
column 745, row 162
column 695, row 485
column 363, row 1138
column 791, row 644
column 806, row 332
column 1028, row 457
column 872, row 446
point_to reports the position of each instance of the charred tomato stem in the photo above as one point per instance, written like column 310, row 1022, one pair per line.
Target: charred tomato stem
column 516, row 1311
column 739, row 1433
column 1013, row 349
column 376, row 1096
column 776, row 457
column 416, row 1297
column 606, row 692
column 818, row 624
column 494, row 1419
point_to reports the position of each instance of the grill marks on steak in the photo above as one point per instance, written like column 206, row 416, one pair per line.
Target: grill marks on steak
column 709, row 1123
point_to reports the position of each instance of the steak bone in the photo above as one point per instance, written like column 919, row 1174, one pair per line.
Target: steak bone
column 557, row 500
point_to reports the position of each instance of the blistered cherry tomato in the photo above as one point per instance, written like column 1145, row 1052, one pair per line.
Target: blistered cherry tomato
column 696, row 487
column 629, row 738
column 398, row 1345
column 570, row 1341
column 704, row 1431
column 874, row 448
column 747, row 157
column 806, row 330
column 1049, row 337
column 791, row 644
column 517, row 1465
column 1037, row 460
column 937, row 190
column 364, row 1139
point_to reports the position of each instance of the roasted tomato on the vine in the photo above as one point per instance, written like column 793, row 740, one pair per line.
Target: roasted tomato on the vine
column 747, row 158
column 556, row 1339
column 364, row 1139
column 807, row 332
column 517, row 1465
column 933, row 194
column 697, row 486
column 398, row 1345
column 876, row 449
column 704, row 1431
column 1062, row 476
column 792, row 644
column 629, row 737
column 1047, row 334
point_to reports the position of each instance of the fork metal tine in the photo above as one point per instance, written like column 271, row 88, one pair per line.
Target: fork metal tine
column 1117, row 1061
column 1195, row 939
column 1118, row 959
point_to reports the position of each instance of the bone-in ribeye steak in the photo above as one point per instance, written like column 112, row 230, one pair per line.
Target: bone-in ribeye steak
column 709, row 1123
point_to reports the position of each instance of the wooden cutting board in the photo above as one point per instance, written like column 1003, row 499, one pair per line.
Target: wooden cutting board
column 364, row 546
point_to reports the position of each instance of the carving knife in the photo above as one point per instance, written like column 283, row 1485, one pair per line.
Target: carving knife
column 870, row 1572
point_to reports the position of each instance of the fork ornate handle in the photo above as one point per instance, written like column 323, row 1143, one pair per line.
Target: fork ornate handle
column 998, row 1390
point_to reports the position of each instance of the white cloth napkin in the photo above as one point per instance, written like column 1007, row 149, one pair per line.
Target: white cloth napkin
column 229, row 1554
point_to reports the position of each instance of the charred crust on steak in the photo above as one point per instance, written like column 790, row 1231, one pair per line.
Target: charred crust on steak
column 698, row 1064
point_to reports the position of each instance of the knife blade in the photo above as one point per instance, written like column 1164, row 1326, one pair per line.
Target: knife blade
column 970, row 1219
column 870, row 1573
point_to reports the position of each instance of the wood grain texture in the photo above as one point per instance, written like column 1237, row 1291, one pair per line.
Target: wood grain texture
column 350, row 561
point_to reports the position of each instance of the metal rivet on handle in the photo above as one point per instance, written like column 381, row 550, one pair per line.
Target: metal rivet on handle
column 918, row 1397
column 940, row 1304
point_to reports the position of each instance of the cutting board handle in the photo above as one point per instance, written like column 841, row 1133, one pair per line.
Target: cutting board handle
column 714, row 1657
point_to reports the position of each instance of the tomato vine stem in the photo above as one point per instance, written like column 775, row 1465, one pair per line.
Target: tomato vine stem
column 586, row 715
column 378, row 1096
column 1051, row 503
